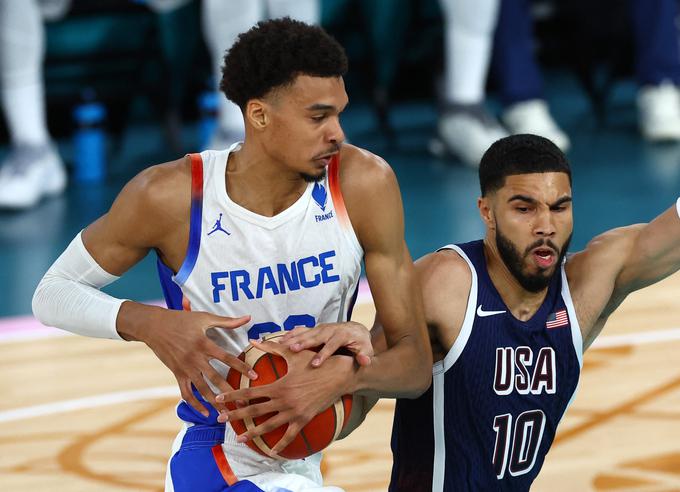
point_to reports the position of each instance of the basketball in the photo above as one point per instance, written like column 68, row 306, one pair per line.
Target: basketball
column 315, row 436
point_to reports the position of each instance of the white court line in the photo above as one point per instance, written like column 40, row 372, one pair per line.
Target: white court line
column 641, row 338
column 88, row 402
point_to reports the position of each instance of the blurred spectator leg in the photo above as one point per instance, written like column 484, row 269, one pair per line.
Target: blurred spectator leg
column 519, row 77
column 465, row 127
column 223, row 21
column 657, row 68
column 178, row 49
column 308, row 11
column 33, row 168
column 385, row 22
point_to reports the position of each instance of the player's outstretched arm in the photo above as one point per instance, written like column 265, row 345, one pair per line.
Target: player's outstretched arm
column 619, row 262
column 150, row 212
column 654, row 253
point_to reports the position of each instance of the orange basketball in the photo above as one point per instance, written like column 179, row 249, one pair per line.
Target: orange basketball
column 315, row 436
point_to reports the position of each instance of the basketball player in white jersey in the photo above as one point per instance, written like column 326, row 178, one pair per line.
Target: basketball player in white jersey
column 509, row 317
column 261, row 237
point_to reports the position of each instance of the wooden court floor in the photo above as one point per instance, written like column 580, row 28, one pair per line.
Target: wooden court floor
column 82, row 415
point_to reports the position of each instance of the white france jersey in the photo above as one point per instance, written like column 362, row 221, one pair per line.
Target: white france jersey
column 298, row 268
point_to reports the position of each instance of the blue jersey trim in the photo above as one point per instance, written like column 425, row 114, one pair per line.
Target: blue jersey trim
column 196, row 219
column 171, row 291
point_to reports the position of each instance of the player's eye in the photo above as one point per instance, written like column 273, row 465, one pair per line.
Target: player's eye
column 319, row 118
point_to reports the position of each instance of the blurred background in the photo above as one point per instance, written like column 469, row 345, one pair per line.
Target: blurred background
column 128, row 84
column 93, row 91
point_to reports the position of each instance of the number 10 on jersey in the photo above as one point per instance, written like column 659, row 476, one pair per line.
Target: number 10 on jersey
column 520, row 444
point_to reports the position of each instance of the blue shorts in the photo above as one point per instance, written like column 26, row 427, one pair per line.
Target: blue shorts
column 200, row 464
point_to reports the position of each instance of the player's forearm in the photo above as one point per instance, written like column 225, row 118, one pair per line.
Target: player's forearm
column 404, row 370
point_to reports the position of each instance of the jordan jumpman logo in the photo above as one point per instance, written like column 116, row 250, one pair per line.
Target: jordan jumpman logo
column 218, row 227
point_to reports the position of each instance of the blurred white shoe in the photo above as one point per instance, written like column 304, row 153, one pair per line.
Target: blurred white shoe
column 29, row 173
column 466, row 132
column 659, row 112
column 534, row 117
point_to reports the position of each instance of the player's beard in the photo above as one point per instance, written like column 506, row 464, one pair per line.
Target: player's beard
column 313, row 178
column 515, row 261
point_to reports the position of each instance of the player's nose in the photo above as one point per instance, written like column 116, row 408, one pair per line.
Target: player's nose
column 335, row 132
column 544, row 225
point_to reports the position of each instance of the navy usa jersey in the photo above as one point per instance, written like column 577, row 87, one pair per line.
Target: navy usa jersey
column 490, row 416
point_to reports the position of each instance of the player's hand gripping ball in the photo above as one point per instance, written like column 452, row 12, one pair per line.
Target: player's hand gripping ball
column 319, row 432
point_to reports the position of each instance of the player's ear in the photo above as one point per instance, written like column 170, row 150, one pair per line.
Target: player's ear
column 256, row 114
column 486, row 211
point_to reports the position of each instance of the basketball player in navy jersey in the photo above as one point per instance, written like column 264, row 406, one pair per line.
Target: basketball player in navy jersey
column 261, row 237
column 509, row 317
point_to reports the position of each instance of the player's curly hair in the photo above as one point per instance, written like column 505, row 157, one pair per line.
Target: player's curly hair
column 519, row 154
column 273, row 53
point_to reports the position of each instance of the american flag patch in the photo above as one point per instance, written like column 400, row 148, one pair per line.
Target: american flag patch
column 555, row 320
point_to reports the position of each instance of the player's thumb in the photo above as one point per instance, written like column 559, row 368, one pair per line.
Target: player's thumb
column 363, row 358
column 231, row 323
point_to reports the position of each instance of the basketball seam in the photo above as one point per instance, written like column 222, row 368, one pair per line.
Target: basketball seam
column 304, row 439
column 271, row 362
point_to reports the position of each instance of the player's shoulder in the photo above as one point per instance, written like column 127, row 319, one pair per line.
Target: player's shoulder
column 361, row 167
column 444, row 269
column 164, row 187
column 445, row 279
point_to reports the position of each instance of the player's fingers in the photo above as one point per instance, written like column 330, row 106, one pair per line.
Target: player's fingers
column 292, row 431
column 268, row 425
column 189, row 397
column 244, row 394
column 270, row 347
column 363, row 359
column 327, row 350
column 204, row 389
column 232, row 361
column 218, row 381
column 298, row 330
column 228, row 323
column 251, row 411
column 309, row 339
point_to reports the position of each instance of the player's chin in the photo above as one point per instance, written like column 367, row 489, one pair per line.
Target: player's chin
column 540, row 272
column 314, row 175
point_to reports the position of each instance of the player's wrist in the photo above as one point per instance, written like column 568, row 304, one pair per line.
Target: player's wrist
column 345, row 365
column 135, row 319
column 677, row 206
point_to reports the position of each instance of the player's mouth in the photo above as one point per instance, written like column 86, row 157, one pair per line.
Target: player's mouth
column 324, row 160
column 544, row 257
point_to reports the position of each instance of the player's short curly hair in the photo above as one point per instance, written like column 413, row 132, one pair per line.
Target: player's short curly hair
column 273, row 53
column 519, row 154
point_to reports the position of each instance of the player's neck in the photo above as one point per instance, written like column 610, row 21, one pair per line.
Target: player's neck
column 257, row 183
column 522, row 303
